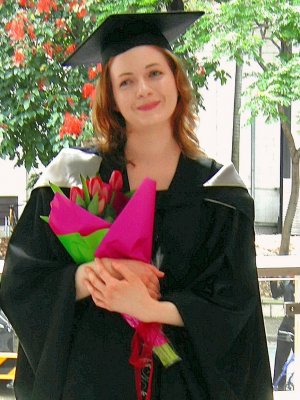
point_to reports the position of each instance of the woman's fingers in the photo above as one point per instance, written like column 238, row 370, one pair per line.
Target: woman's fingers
column 95, row 280
column 156, row 271
column 106, row 263
column 124, row 270
column 147, row 273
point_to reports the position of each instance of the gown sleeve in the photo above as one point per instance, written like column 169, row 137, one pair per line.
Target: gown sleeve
column 38, row 296
column 222, row 345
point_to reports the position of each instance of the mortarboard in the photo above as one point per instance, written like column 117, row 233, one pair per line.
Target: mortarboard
column 121, row 32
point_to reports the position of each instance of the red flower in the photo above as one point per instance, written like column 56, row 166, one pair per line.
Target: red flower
column 23, row 3
column 8, row 26
column 72, row 5
column 41, row 84
column 58, row 49
column 82, row 13
column 44, row 6
column 54, row 6
column 92, row 73
column 101, row 205
column 201, row 71
column 60, row 23
column 70, row 101
column 88, row 90
column 48, row 49
column 31, row 33
column 106, row 192
column 97, row 198
column 116, row 181
column 84, row 117
column 16, row 29
column 95, row 185
column 72, row 125
column 70, row 49
column 19, row 58
column 75, row 192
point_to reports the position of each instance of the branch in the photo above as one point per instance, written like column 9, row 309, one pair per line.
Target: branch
column 275, row 44
column 263, row 28
column 260, row 63
column 287, row 133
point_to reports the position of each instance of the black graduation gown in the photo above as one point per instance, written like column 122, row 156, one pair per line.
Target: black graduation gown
column 204, row 241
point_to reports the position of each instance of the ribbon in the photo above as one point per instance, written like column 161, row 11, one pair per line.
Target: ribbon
column 140, row 357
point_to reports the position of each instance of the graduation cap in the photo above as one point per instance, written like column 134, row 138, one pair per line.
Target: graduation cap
column 121, row 32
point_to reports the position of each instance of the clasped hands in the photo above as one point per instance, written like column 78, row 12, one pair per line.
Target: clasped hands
column 124, row 286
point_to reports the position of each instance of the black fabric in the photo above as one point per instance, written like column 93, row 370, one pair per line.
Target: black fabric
column 204, row 242
column 121, row 32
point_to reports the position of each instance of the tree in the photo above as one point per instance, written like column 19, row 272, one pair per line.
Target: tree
column 236, row 130
column 39, row 100
column 239, row 30
column 44, row 107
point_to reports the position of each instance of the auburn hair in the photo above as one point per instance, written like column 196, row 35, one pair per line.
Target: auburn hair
column 110, row 126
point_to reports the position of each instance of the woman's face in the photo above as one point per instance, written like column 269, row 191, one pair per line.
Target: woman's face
column 144, row 87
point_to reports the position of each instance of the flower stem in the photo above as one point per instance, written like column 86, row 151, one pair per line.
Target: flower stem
column 166, row 354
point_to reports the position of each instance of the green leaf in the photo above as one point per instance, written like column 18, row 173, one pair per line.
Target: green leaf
column 26, row 104
column 44, row 218
column 85, row 190
column 55, row 188
column 93, row 206
column 80, row 201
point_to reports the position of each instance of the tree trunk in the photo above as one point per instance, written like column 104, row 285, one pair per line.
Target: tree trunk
column 294, row 196
column 236, row 130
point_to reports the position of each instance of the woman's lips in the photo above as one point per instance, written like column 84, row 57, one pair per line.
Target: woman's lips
column 148, row 106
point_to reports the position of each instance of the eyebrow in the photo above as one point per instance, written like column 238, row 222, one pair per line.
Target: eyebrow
column 130, row 73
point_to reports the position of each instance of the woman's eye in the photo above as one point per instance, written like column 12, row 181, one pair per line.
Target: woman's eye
column 125, row 83
column 155, row 73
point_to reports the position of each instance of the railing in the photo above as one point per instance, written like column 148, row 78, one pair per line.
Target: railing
column 286, row 268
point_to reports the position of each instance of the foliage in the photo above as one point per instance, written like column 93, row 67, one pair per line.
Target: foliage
column 43, row 106
column 266, row 36
column 263, row 34
column 35, row 92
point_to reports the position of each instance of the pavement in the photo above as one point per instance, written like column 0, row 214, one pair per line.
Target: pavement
column 271, row 327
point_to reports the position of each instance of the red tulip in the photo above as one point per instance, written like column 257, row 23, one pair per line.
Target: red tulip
column 106, row 192
column 116, row 181
column 74, row 192
column 101, row 205
column 95, row 185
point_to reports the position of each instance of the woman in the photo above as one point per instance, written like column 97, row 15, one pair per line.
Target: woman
column 203, row 289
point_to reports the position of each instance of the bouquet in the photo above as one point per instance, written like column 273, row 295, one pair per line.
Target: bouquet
column 99, row 220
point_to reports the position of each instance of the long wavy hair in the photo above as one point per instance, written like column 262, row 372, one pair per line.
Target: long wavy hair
column 110, row 126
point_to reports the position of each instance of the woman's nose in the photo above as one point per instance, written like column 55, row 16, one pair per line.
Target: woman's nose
column 143, row 88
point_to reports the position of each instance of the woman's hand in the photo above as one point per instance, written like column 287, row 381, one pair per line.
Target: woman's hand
column 80, row 279
column 125, row 293
column 148, row 274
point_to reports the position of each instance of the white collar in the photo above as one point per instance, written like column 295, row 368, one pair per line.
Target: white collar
column 65, row 169
column 226, row 176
